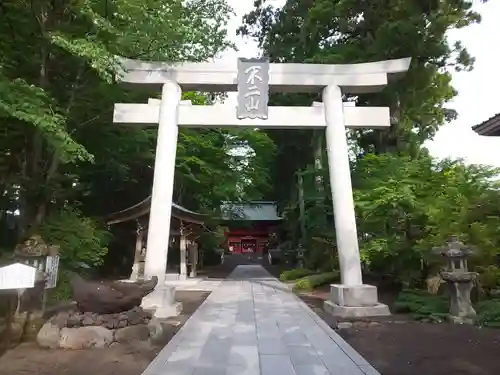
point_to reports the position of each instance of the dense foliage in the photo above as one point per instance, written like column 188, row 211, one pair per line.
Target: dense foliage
column 64, row 165
column 427, row 307
column 294, row 274
column 310, row 282
column 422, row 305
column 406, row 201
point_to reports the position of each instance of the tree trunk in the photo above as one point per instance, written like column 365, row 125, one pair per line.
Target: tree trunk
column 302, row 209
column 42, row 163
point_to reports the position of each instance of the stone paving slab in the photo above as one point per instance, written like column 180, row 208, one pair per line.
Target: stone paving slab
column 253, row 325
column 194, row 285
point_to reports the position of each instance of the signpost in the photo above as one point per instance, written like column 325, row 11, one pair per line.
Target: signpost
column 18, row 276
column 51, row 271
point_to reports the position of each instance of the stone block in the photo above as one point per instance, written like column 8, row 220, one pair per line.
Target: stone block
column 48, row 337
column 303, row 355
column 276, row 364
column 344, row 325
column 130, row 334
column 244, row 356
column 155, row 328
column 162, row 295
column 353, row 296
column 162, row 302
column 356, row 312
column 369, row 370
column 311, row 370
column 242, row 370
column 295, row 338
column 337, row 362
column 85, row 338
column 271, row 346
column 168, row 311
column 356, row 301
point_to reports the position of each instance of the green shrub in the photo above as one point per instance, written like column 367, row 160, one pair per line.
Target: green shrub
column 81, row 240
column 211, row 257
column 308, row 283
column 489, row 278
column 488, row 313
column 295, row 274
column 62, row 291
column 421, row 305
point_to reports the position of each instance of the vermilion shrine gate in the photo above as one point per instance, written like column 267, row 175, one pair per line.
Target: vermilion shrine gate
column 254, row 79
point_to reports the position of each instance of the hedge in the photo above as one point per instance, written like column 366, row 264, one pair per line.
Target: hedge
column 295, row 274
column 313, row 281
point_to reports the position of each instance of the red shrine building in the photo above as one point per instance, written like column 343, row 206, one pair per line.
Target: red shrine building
column 250, row 226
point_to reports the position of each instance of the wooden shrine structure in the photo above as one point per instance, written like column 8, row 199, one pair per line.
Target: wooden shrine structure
column 250, row 226
column 186, row 227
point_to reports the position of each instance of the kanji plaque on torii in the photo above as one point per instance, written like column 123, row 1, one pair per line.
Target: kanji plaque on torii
column 253, row 88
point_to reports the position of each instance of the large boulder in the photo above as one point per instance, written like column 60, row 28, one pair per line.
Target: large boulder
column 156, row 330
column 85, row 337
column 111, row 297
column 130, row 334
column 49, row 335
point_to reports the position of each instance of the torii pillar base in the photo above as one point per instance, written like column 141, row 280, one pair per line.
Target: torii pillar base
column 354, row 302
column 161, row 302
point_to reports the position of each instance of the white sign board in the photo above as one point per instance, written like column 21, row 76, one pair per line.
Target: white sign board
column 17, row 276
column 51, row 271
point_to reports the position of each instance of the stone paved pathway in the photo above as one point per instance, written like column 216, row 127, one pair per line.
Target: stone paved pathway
column 253, row 325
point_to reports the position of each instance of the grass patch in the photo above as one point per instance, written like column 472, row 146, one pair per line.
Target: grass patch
column 295, row 274
column 488, row 313
column 310, row 282
column 421, row 305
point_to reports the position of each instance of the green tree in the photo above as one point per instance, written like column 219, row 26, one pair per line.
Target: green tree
column 406, row 201
column 321, row 31
column 408, row 206
column 56, row 105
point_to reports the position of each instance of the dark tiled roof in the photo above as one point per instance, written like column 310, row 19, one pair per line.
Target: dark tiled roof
column 490, row 127
column 250, row 211
column 142, row 208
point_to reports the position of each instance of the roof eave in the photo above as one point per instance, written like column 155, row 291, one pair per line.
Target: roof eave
column 142, row 208
column 489, row 128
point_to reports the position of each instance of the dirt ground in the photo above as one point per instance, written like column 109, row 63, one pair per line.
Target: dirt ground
column 117, row 360
column 395, row 346
column 399, row 346
column 29, row 359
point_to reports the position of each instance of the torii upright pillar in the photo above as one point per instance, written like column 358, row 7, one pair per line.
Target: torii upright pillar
column 162, row 299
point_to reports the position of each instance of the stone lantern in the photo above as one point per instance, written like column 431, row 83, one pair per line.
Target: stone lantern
column 36, row 253
column 300, row 256
column 34, row 270
column 459, row 280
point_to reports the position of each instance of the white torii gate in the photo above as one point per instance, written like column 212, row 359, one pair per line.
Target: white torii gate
column 352, row 297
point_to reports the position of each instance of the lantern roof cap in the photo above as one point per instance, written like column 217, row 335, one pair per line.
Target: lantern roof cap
column 453, row 248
